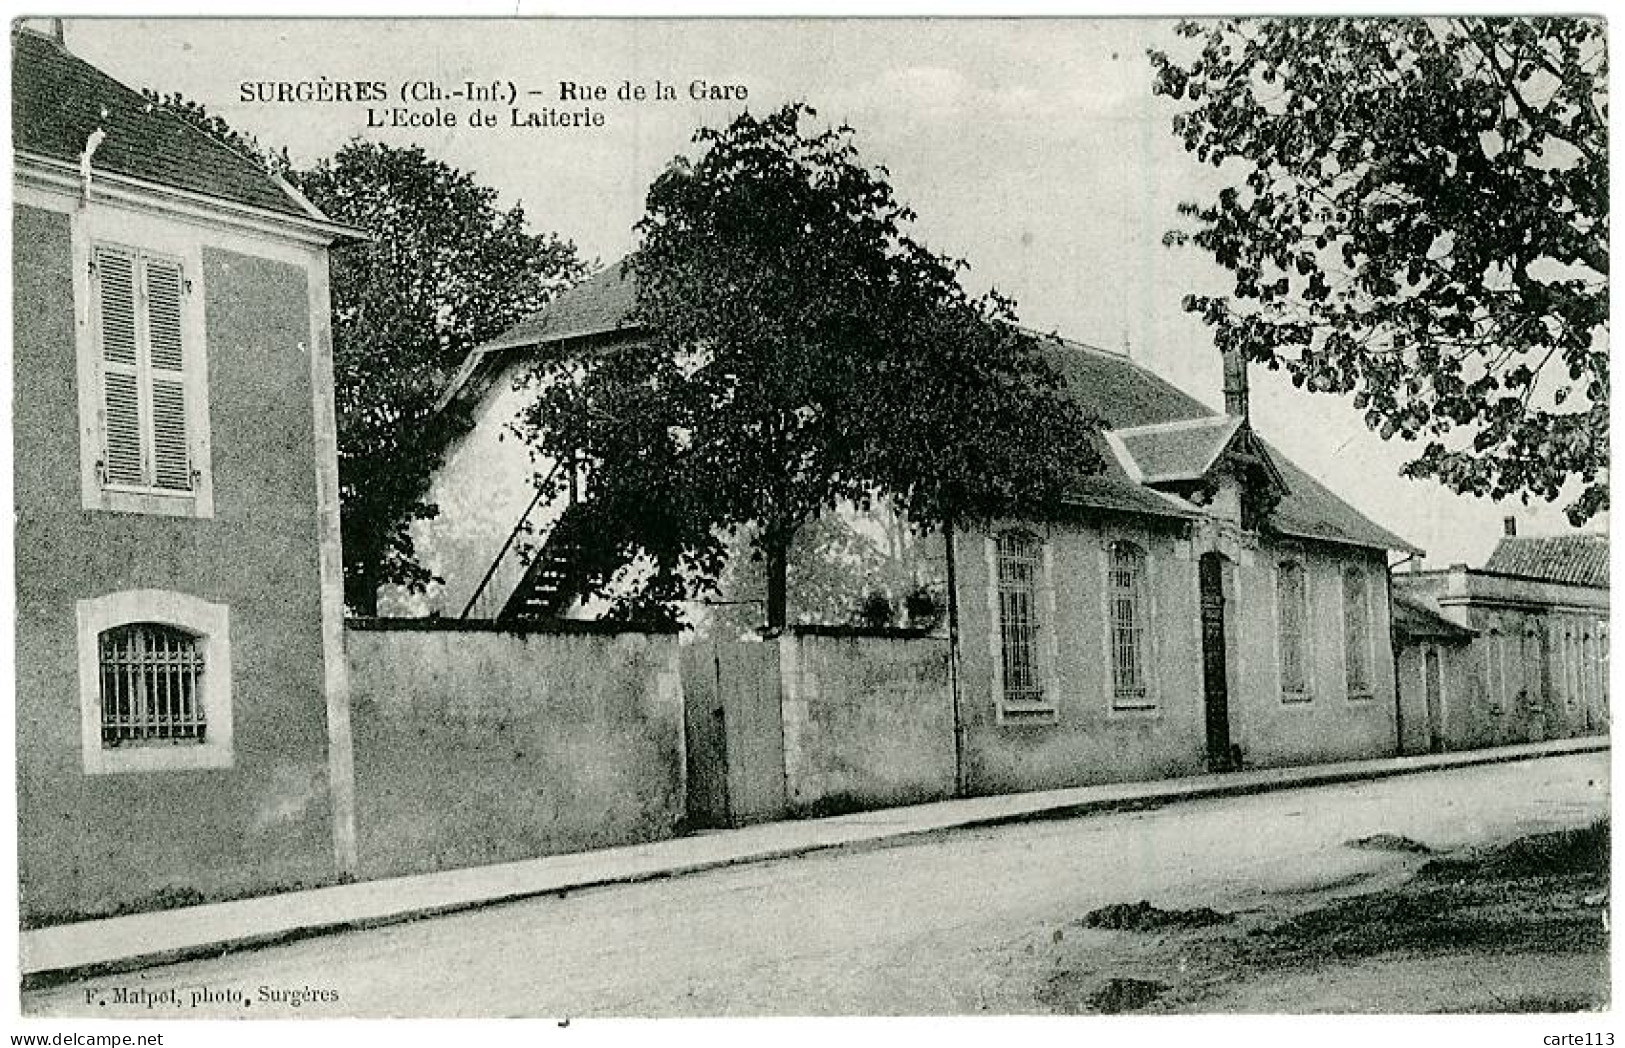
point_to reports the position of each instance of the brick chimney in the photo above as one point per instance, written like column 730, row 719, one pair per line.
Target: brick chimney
column 1235, row 383
column 50, row 28
column 1509, row 525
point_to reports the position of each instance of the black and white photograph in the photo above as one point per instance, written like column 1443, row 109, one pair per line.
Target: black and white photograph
column 574, row 519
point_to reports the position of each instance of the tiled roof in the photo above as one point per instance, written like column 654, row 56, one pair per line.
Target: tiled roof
column 598, row 305
column 58, row 100
column 1581, row 559
column 1124, row 395
column 1117, row 391
column 1184, row 450
column 1413, row 618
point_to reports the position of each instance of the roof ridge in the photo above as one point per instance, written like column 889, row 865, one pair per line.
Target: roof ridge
column 140, row 106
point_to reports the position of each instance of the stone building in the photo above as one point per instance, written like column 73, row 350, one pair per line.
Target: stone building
column 180, row 699
column 1537, row 667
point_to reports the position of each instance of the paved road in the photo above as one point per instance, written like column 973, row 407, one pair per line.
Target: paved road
column 954, row 923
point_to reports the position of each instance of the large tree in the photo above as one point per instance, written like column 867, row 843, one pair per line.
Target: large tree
column 1417, row 215
column 804, row 352
column 445, row 270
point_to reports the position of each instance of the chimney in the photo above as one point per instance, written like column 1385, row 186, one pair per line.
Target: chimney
column 1509, row 525
column 50, row 28
column 1235, row 383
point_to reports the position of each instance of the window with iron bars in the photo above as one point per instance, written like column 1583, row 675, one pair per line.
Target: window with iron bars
column 1128, row 625
column 151, row 686
column 1357, row 633
column 1292, row 598
column 1019, row 557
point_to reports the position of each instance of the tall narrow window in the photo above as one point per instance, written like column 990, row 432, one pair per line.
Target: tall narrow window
column 1128, row 625
column 1357, row 632
column 139, row 330
column 1291, row 596
column 1588, row 668
column 151, row 685
column 1019, row 560
column 1495, row 669
column 1571, row 665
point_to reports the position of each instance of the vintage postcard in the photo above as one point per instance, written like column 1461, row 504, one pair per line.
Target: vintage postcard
column 614, row 518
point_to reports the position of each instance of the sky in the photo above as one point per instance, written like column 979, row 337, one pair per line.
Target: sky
column 1032, row 148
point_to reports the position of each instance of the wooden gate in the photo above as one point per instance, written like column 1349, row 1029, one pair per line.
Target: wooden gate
column 735, row 732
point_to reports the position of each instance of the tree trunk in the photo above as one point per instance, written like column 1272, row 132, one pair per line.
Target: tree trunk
column 777, row 557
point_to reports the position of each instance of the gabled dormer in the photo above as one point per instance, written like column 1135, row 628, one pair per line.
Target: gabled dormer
column 1213, row 461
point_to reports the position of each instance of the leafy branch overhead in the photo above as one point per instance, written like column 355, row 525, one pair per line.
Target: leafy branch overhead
column 803, row 353
column 1418, row 218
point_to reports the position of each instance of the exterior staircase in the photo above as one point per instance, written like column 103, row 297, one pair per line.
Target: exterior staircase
column 547, row 588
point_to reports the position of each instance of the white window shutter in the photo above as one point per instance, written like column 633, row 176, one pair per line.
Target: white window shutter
column 121, row 398
column 171, row 457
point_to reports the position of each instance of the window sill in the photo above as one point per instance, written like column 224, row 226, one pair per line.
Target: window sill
column 1362, row 697
column 139, row 758
column 150, row 502
column 1297, row 698
column 1017, row 716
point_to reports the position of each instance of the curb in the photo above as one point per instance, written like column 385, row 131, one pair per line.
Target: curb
column 1153, row 794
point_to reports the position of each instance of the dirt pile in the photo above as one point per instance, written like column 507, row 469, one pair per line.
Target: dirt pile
column 1143, row 917
column 1392, row 842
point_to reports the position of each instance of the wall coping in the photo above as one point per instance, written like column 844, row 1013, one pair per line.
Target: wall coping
column 590, row 627
column 863, row 632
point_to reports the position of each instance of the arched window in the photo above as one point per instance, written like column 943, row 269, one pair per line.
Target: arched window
column 1357, row 632
column 154, row 682
column 1292, row 605
column 151, row 685
column 1019, row 557
column 1127, row 605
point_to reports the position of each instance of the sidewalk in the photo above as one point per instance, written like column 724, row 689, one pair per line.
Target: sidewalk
column 145, row 939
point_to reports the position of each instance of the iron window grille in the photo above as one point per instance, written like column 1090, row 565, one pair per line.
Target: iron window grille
column 1292, row 597
column 1128, row 622
column 1357, row 633
column 1019, row 558
column 1495, row 670
column 151, row 686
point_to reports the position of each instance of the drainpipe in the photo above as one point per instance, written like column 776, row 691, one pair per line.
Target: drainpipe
column 91, row 144
column 961, row 787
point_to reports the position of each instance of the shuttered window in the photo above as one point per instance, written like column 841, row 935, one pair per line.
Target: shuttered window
column 140, row 310
column 1126, row 587
column 1291, row 596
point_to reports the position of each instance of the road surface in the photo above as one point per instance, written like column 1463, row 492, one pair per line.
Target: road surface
column 955, row 923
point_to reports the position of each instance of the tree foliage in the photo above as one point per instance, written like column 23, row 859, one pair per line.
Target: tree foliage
column 446, row 270
column 273, row 159
column 803, row 352
column 1419, row 218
